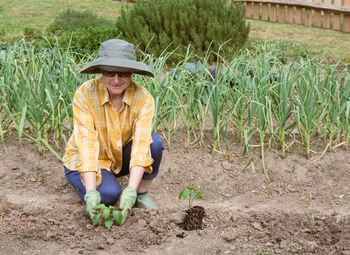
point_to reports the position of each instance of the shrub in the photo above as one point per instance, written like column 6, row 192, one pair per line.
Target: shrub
column 85, row 41
column 71, row 20
column 158, row 25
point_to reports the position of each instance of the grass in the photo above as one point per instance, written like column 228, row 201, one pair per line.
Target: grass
column 16, row 15
column 337, row 44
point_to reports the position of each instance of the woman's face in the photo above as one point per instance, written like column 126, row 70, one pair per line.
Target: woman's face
column 116, row 82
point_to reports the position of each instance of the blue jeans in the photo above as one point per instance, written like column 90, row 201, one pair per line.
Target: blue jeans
column 110, row 188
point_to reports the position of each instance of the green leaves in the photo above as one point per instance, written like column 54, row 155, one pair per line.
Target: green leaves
column 190, row 193
column 109, row 214
column 154, row 26
column 117, row 215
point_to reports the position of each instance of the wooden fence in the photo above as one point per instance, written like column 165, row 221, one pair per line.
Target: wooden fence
column 330, row 14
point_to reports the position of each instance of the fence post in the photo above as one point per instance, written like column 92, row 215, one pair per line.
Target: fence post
column 281, row 13
column 346, row 23
column 264, row 11
column 346, row 18
column 290, row 14
column 256, row 14
column 317, row 18
column 299, row 16
column 336, row 21
column 273, row 12
column 326, row 19
column 308, row 17
column 248, row 12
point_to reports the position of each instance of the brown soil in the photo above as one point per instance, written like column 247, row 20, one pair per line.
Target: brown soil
column 304, row 210
column 194, row 218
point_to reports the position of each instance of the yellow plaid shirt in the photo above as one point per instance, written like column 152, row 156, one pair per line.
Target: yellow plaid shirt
column 100, row 131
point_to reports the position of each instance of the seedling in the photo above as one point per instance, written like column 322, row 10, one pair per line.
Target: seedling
column 190, row 193
column 109, row 215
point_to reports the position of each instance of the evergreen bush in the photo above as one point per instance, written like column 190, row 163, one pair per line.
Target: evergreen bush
column 159, row 25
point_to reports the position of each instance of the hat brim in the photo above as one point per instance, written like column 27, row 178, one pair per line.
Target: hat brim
column 116, row 64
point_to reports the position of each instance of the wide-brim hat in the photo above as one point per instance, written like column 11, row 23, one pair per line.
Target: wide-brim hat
column 118, row 56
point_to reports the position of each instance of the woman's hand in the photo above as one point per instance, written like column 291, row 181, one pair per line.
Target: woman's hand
column 127, row 201
column 91, row 199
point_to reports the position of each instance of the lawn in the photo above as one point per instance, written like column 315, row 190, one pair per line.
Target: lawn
column 16, row 15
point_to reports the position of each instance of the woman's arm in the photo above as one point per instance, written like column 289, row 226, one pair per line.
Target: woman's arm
column 136, row 173
column 89, row 179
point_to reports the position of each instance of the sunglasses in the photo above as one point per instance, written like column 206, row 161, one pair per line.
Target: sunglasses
column 113, row 74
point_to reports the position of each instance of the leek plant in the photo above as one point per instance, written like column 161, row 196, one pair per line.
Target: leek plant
column 251, row 95
column 311, row 107
column 284, row 105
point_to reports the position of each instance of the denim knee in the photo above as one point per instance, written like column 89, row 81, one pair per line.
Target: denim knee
column 109, row 189
column 156, row 147
column 110, row 196
column 156, row 153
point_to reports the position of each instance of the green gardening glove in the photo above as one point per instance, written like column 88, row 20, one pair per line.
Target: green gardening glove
column 92, row 198
column 127, row 201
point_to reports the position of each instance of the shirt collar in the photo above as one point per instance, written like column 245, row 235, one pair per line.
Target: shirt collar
column 129, row 94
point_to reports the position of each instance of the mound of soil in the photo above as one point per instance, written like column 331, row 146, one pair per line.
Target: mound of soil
column 194, row 218
column 304, row 210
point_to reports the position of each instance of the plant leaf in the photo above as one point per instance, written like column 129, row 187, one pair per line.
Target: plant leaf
column 117, row 215
column 99, row 206
column 186, row 193
column 96, row 219
column 106, row 213
column 197, row 195
column 109, row 223
column 180, row 194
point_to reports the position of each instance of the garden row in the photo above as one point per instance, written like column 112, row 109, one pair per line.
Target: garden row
column 253, row 96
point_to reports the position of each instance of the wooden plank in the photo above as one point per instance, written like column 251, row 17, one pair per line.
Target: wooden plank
column 256, row 11
column 327, row 20
column 308, row 17
column 346, row 23
column 281, row 14
column 297, row 3
column 317, row 18
column 248, row 10
column 337, row 2
column 299, row 15
column 336, row 21
column 273, row 13
column 264, row 14
column 290, row 14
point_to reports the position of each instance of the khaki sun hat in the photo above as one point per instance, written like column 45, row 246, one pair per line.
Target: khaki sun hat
column 118, row 56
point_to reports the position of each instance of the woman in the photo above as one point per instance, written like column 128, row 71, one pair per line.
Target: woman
column 112, row 133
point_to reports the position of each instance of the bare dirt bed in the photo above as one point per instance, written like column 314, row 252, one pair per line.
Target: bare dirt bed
column 304, row 210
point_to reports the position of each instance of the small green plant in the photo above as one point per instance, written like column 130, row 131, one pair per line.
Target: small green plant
column 263, row 253
column 109, row 215
column 190, row 193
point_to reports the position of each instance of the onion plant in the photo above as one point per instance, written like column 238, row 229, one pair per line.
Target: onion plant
column 251, row 95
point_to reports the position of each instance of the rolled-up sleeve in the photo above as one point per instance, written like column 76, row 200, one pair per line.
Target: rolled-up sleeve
column 85, row 135
column 142, row 137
